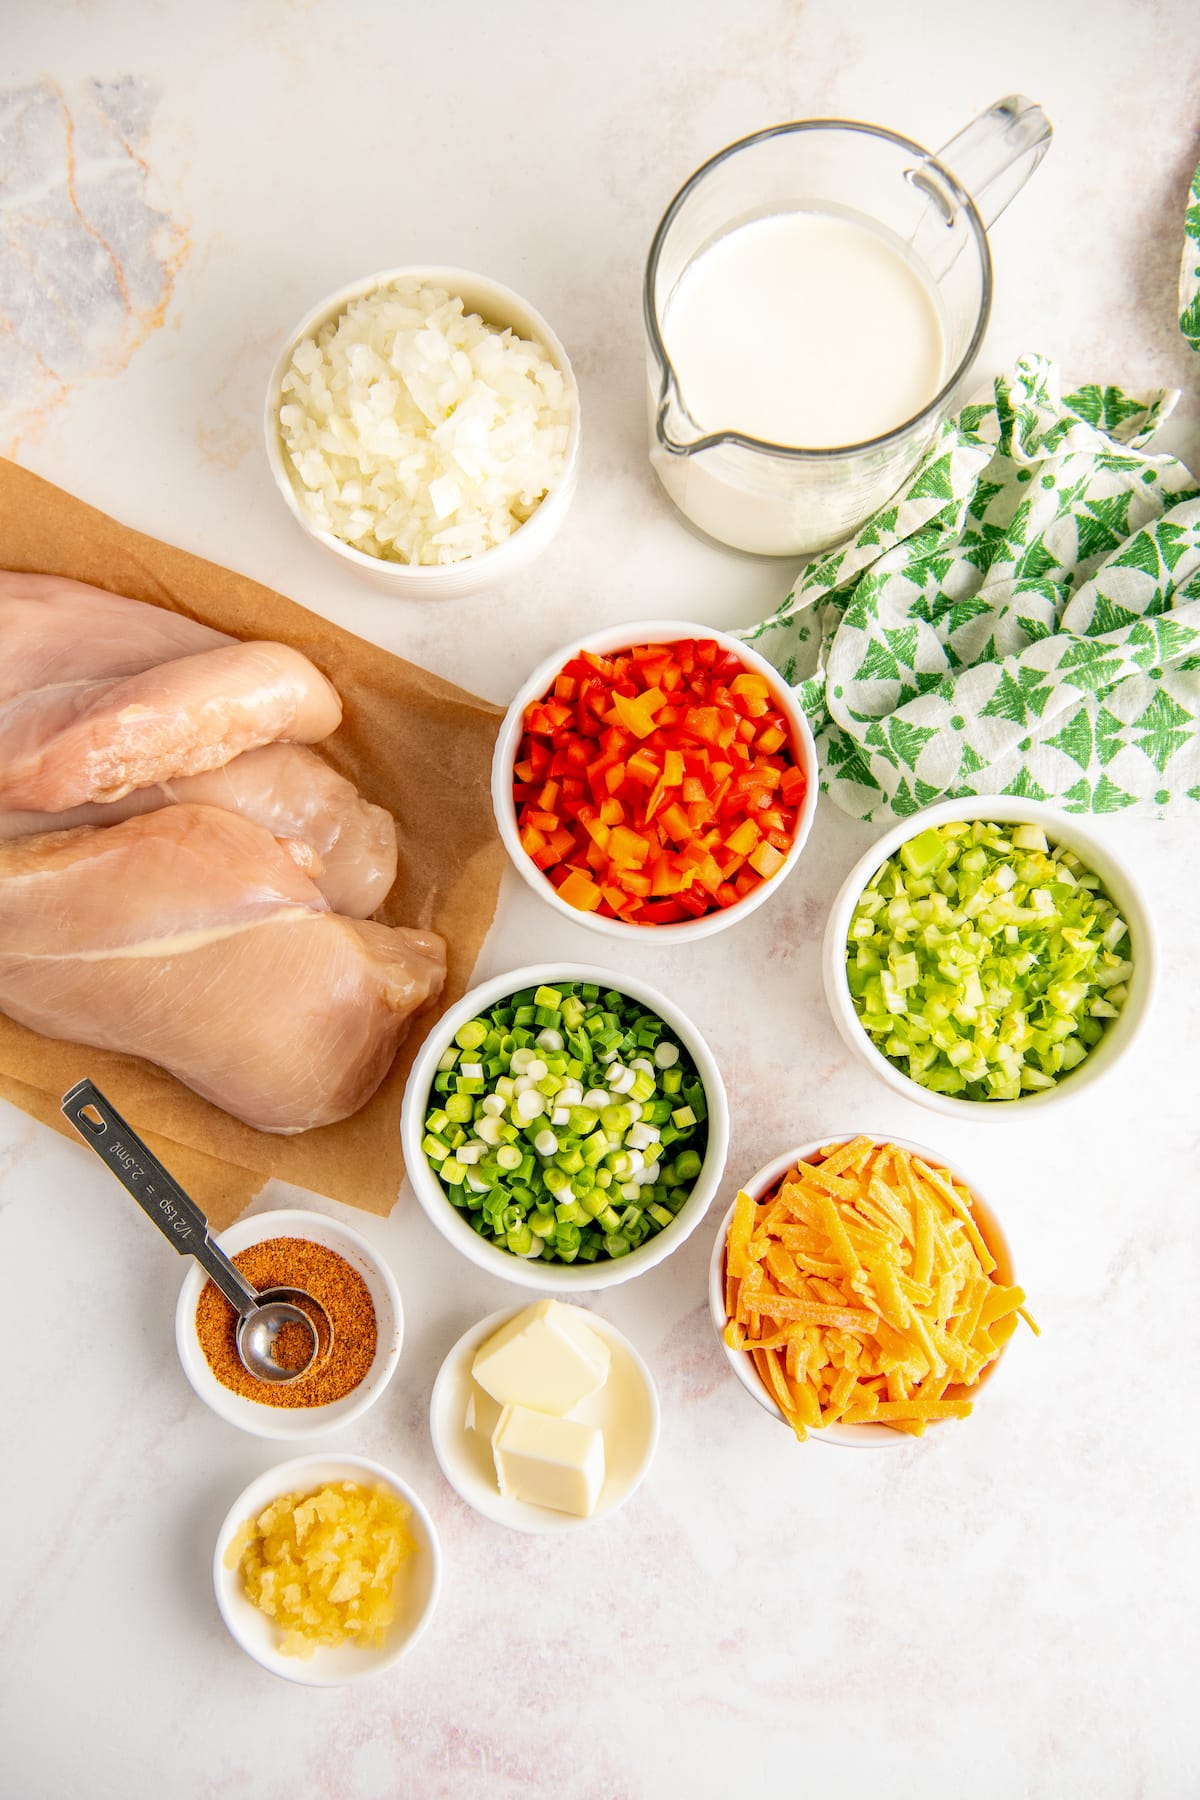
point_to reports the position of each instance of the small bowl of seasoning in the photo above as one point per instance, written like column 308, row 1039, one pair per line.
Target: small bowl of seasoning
column 341, row 1270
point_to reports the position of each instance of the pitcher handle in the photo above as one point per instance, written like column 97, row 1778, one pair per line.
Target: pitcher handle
column 994, row 156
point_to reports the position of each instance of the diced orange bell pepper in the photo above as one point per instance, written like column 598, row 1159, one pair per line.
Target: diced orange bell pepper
column 579, row 892
column 709, row 875
column 743, row 840
column 643, row 767
column 767, row 860
column 676, row 823
column 635, row 715
column 626, row 848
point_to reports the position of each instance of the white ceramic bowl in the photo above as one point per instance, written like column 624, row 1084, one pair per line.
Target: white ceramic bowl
column 620, row 637
column 625, row 1409
column 496, row 305
column 1063, row 831
column 294, row 1423
column 853, row 1437
column 561, row 1279
column 420, row 1575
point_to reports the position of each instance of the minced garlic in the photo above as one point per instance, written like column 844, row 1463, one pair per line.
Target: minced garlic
column 323, row 1565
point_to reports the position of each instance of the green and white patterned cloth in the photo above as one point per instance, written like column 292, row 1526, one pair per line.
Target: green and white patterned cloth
column 1189, row 274
column 1023, row 618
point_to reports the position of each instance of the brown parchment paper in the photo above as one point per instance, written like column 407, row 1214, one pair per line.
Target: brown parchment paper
column 408, row 740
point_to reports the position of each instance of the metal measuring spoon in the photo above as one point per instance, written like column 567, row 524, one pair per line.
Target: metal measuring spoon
column 261, row 1314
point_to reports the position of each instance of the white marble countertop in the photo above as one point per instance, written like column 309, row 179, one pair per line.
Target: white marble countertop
column 1007, row 1608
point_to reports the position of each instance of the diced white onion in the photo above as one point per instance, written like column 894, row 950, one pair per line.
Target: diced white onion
column 418, row 433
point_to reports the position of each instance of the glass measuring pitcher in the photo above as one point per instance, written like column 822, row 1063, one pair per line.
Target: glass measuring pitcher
column 783, row 500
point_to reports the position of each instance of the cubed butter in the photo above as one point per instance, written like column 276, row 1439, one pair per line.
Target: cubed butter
column 549, row 1461
column 483, row 1413
column 547, row 1358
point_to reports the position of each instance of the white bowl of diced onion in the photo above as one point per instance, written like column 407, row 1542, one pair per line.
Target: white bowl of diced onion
column 1062, row 831
column 535, row 444
column 565, row 1280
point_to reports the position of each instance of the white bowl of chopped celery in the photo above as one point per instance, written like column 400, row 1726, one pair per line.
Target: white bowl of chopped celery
column 989, row 954
column 386, row 1526
column 762, row 1186
column 573, row 1142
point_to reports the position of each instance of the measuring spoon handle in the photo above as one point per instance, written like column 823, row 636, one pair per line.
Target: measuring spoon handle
column 158, row 1194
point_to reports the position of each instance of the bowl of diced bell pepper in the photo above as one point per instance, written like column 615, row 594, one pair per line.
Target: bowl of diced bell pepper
column 988, row 954
column 655, row 776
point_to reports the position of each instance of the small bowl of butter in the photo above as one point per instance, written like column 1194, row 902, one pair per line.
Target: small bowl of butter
column 544, row 1417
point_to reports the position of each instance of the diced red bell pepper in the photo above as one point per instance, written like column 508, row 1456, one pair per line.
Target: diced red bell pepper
column 793, row 785
column 658, row 771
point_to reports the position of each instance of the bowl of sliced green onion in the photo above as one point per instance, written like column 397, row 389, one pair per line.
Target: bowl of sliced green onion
column 988, row 954
column 564, row 1128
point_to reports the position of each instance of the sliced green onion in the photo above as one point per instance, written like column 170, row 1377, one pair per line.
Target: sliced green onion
column 552, row 1118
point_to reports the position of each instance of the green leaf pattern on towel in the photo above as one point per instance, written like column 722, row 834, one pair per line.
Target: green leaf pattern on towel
column 1189, row 273
column 1023, row 618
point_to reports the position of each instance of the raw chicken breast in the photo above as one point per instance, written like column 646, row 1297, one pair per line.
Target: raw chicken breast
column 189, row 937
column 346, row 845
column 55, row 631
column 84, row 741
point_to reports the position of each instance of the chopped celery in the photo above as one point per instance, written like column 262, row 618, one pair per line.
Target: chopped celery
column 985, row 963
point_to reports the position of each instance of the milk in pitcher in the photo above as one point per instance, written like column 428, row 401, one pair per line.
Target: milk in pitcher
column 809, row 331
column 805, row 329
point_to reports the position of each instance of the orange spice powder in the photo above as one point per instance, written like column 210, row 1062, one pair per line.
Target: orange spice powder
column 328, row 1277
